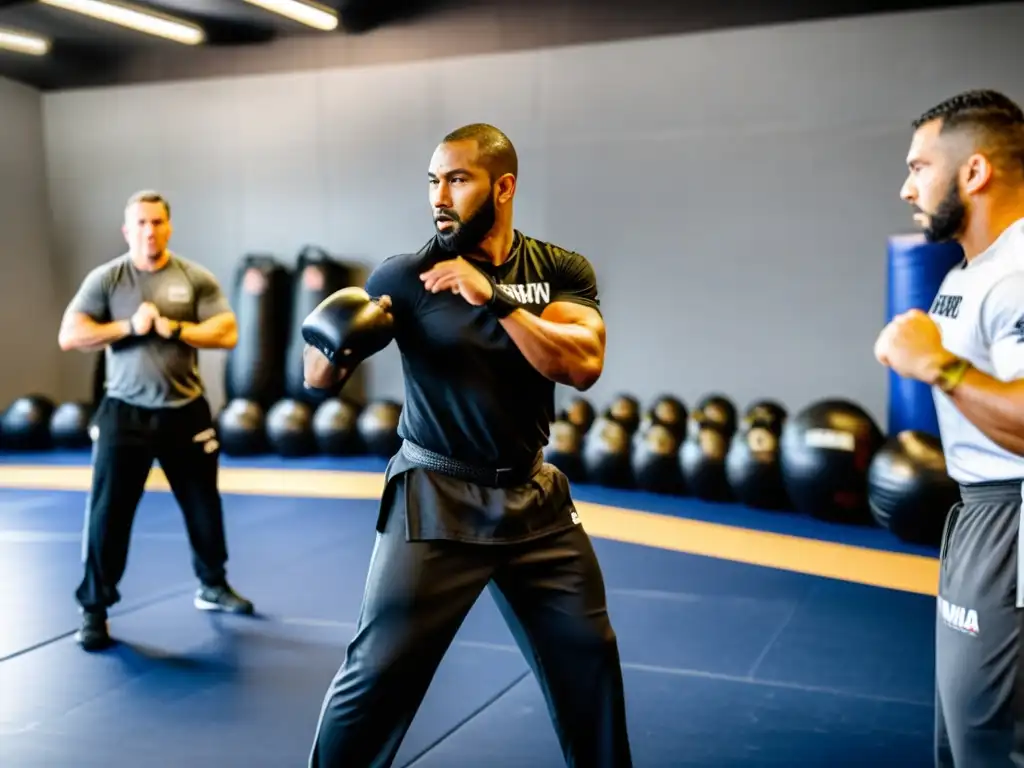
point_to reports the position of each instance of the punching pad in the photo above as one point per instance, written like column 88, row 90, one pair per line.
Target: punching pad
column 916, row 269
column 316, row 277
column 255, row 367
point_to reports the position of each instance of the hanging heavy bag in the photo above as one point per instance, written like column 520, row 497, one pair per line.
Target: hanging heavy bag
column 255, row 367
column 317, row 276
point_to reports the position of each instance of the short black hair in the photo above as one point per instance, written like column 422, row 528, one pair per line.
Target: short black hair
column 496, row 151
column 995, row 121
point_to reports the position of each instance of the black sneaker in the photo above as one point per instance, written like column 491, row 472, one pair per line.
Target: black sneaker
column 222, row 598
column 93, row 635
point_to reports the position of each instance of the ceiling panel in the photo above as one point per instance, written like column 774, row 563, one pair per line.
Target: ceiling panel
column 91, row 52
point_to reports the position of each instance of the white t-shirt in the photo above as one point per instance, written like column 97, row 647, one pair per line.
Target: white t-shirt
column 980, row 311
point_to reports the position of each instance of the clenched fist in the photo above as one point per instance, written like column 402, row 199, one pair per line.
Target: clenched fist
column 165, row 328
column 460, row 277
column 144, row 317
column 911, row 344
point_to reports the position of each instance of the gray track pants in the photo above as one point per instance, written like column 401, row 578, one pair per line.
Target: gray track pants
column 979, row 717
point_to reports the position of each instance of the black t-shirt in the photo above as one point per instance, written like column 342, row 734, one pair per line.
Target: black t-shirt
column 470, row 394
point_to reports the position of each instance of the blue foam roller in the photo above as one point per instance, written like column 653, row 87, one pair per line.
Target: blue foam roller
column 916, row 270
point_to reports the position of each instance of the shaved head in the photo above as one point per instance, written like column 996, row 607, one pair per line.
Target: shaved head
column 495, row 151
column 473, row 176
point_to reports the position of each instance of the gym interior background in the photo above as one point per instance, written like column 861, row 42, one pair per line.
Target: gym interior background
column 734, row 180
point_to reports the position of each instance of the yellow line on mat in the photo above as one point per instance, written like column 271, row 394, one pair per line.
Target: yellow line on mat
column 891, row 570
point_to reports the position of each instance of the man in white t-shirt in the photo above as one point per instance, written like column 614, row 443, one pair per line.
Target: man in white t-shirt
column 966, row 183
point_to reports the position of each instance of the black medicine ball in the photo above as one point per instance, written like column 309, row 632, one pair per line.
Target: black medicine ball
column 826, row 451
column 909, row 490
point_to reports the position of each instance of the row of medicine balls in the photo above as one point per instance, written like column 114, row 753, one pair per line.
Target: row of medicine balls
column 293, row 428
column 337, row 427
column 709, row 453
column 830, row 460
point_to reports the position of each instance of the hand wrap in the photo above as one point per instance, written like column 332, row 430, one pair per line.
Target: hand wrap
column 501, row 303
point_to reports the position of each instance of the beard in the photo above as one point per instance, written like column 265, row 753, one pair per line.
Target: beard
column 948, row 220
column 466, row 234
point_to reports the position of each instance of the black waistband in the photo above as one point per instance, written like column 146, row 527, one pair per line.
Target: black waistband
column 1000, row 490
column 495, row 477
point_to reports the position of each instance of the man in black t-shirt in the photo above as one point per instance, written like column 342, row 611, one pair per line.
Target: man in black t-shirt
column 487, row 321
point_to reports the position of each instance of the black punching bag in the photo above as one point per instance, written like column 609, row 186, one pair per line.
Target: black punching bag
column 255, row 367
column 316, row 277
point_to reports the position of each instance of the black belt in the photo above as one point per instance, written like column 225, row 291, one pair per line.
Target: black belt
column 495, row 477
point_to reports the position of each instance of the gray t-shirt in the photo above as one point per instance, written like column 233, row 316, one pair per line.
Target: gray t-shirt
column 150, row 371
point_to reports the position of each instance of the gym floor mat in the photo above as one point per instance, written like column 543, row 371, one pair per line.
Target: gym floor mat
column 725, row 662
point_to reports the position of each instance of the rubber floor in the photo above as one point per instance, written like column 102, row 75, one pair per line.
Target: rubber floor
column 725, row 663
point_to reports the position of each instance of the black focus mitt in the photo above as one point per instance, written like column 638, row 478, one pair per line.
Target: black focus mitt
column 349, row 326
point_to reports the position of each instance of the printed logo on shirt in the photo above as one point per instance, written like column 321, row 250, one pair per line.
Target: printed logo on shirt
column 947, row 306
column 1018, row 330
column 528, row 293
column 959, row 618
column 178, row 293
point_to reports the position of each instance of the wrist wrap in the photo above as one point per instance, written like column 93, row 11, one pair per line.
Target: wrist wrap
column 501, row 304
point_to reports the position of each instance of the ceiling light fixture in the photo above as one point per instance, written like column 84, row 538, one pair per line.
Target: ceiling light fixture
column 22, row 42
column 311, row 14
column 148, row 22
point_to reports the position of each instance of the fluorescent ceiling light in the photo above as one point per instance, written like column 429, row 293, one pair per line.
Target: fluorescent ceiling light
column 141, row 21
column 311, row 14
column 22, row 42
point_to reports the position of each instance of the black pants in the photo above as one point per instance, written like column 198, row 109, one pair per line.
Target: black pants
column 979, row 691
column 129, row 438
column 550, row 592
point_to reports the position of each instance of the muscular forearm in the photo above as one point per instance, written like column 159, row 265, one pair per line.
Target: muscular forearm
column 86, row 335
column 994, row 407
column 219, row 332
column 566, row 353
column 317, row 371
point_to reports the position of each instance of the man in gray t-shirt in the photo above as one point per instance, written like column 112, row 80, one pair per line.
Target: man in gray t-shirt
column 150, row 311
column 158, row 373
